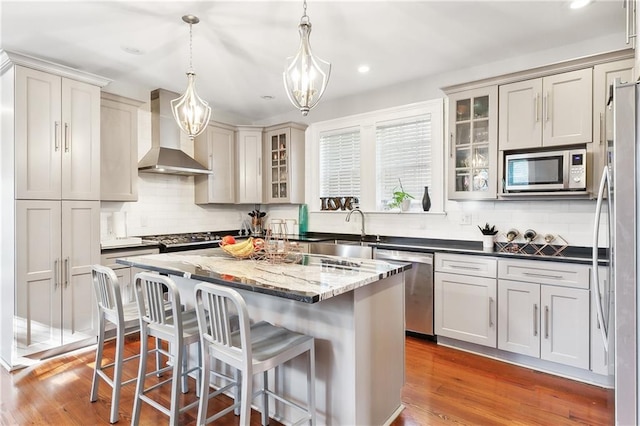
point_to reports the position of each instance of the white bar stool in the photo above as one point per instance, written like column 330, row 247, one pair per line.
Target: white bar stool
column 178, row 327
column 251, row 349
column 125, row 317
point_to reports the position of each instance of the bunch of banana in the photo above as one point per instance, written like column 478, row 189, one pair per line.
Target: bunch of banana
column 242, row 249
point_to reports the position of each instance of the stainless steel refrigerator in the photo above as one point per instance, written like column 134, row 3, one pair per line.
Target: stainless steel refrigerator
column 616, row 304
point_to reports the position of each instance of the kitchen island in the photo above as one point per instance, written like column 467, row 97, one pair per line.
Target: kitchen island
column 353, row 307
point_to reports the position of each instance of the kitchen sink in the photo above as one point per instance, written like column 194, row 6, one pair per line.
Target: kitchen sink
column 342, row 248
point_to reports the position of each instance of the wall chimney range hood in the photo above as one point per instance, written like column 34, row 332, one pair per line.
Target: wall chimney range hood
column 165, row 155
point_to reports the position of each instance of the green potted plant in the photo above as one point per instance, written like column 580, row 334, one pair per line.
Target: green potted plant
column 488, row 236
column 400, row 198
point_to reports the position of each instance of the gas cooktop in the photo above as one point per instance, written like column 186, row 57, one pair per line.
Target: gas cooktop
column 187, row 241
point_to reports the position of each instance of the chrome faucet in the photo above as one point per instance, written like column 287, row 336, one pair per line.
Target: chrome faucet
column 362, row 233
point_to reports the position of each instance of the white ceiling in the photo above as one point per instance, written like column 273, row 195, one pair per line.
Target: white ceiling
column 240, row 46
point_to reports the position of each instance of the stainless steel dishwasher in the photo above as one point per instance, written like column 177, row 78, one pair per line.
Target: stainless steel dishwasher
column 418, row 288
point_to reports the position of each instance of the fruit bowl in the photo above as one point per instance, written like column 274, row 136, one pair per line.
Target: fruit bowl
column 239, row 250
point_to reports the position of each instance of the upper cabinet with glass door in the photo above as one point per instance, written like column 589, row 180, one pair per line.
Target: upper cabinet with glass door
column 284, row 179
column 473, row 144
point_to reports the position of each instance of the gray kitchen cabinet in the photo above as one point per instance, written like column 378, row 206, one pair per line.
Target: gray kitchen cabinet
column 57, row 137
column 284, row 177
column 465, row 305
column 603, row 77
column 249, row 165
column 118, row 148
column 57, row 242
column 216, row 148
column 548, row 111
column 473, row 144
column 125, row 274
column 543, row 310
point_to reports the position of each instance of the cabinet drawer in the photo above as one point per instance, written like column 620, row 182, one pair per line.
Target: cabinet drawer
column 542, row 272
column 109, row 259
column 463, row 264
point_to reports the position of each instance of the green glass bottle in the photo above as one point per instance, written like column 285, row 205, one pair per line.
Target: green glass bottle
column 303, row 219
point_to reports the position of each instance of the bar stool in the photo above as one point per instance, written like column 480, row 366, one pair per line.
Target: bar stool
column 125, row 317
column 250, row 349
column 178, row 327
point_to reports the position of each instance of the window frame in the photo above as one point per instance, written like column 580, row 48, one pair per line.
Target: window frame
column 367, row 123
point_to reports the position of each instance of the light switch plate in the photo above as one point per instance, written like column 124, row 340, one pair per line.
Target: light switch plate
column 465, row 219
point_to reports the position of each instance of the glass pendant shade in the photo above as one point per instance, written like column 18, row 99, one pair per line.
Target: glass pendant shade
column 190, row 111
column 305, row 76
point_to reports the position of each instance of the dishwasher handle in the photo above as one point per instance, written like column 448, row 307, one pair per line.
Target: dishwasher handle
column 404, row 256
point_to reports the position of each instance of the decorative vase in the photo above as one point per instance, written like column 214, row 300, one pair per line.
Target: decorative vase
column 303, row 217
column 426, row 200
column 487, row 243
column 405, row 205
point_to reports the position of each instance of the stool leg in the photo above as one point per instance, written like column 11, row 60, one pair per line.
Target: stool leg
column 237, row 376
column 178, row 368
column 247, row 388
column 158, row 356
column 117, row 374
column 311, row 384
column 265, row 399
column 183, row 374
column 142, row 373
column 199, row 371
column 204, row 385
column 98, row 363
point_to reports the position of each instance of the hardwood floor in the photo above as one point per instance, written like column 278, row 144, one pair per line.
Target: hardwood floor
column 443, row 387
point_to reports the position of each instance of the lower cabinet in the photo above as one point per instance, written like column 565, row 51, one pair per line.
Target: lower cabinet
column 544, row 321
column 57, row 243
column 465, row 298
column 543, row 310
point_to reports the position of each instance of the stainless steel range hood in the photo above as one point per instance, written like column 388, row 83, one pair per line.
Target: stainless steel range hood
column 165, row 155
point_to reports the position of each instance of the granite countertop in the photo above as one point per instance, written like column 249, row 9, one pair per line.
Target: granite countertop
column 312, row 279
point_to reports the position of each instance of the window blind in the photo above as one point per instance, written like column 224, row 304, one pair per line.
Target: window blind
column 340, row 163
column 403, row 151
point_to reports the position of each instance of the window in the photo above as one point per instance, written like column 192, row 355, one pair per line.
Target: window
column 403, row 158
column 340, row 163
column 364, row 155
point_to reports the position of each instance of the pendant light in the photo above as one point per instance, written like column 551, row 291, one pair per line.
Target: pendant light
column 190, row 111
column 305, row 76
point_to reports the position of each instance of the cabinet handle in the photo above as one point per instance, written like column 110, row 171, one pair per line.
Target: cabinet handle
column 66, row 272
column 547, row 106
column 56, row 136
column 55, row 274
column 536, row 104
column 535, row 319
column 532, row 274
column 210, row 161
column 546, row 322
column 490, row 312
column 451, row 145
column 468, row 268
column 602, row 129
column 67, row 144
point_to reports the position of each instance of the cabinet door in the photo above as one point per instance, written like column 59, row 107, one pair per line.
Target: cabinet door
column 604, row 76
column 520, row 115
column 278, row 148
column 465, row 308
column 118, row 148
column 249, row 164
column 80, row 250
column 565, row 330
column 519, row 317
column 568, row 113
column 38, row 285
column 80, row 141
column 38, row 134
column 473, row 144
column 217, row 149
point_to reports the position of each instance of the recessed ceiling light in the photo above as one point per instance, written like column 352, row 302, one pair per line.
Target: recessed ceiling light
column 268, row 97
column 577, row 4
column 132, row 50
column 363, row 69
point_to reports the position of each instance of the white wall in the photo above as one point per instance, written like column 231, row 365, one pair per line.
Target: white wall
column 166, row 205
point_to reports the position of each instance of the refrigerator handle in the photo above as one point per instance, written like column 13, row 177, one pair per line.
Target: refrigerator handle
column 595, row 285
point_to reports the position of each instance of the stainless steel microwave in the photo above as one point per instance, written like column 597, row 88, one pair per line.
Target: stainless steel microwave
column 546, row 171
